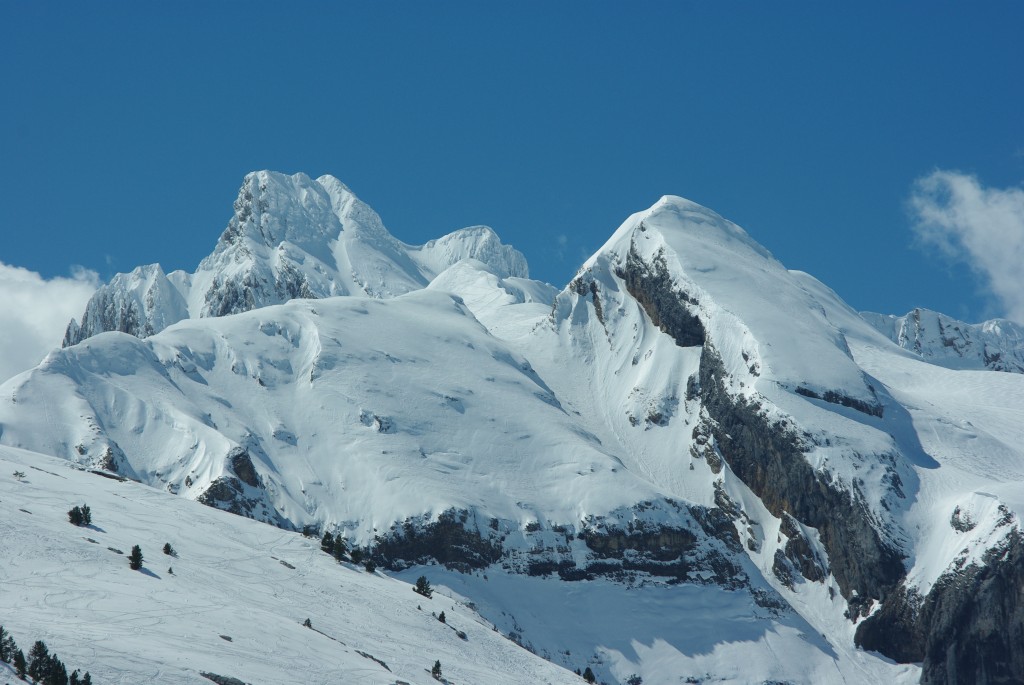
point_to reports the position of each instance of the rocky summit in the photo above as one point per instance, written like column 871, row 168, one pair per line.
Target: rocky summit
column 687, row 465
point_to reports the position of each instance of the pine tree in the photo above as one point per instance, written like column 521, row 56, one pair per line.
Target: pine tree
column 80, row 515
column 357, row 555
column 436, row 670
column 87, row 679
column 58, row 673
column 588, row 675
column 74, row 678
column 38, row 661
column 7, row 646
column 423, row 587
column 327, row 542
column 19, row 664
column 370, row 566
column 168, row 550
column 135, row 558
column 442, row 618
column 340, row 548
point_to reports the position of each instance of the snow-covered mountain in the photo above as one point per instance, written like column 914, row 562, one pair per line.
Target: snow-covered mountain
column 997, row 344
column 290, row 237
column 690, row 462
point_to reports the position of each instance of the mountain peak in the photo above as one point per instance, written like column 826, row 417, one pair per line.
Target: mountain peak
column 997, row 344
column 290, row 237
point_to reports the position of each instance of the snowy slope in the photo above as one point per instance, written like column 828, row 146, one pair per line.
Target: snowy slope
column 234, row 604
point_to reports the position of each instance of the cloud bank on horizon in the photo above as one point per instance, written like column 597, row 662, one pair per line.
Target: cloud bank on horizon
column 983, row 227
column 34, row 312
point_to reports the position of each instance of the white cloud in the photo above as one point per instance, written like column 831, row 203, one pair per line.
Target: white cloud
column 983, row 227
column 34, row 312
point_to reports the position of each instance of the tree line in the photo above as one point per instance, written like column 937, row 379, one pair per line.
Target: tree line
column 40, row 665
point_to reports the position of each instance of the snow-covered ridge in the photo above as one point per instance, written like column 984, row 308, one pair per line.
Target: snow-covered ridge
column 997, row 344
column 290, row 236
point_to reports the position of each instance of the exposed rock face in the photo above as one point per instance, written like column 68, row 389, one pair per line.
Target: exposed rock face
column 769, row 457
column 139, row 303
column 651, row 285
column 835, row 397
column 800, row 553
column 702, row 546
column 448, row 541
column 968, row 629
column 770, row 460
column 241, row 464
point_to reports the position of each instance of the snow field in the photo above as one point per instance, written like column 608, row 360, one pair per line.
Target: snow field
column 232, row 577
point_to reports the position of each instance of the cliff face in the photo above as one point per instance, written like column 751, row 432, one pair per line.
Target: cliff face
column 968, row 628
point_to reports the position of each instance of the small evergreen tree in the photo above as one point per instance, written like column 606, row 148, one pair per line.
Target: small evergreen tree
column 327, row 543
column 135, row 558
column 20, row 665
column 370, row 566
column 442, row 618
column 423, row 587
column 7, row 646
column 169, row 551
column 38, row 661
column 74, row 678
column 87, row 679
column 357, row 555
column 58, row 673
column 588, row 675
column 340, row 548
column 436, row 670
column 80, row 515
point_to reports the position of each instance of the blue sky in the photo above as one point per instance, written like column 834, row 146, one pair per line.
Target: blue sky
column 127, row 128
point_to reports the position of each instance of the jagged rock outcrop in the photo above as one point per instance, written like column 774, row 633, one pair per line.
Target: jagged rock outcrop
column 769, row 458
column 139, row 303
column 652, row 287
column 290, row 237
column 969, row 627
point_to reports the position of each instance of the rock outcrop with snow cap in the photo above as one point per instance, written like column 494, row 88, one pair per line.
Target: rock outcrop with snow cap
column 290, row 237
column 997, row 344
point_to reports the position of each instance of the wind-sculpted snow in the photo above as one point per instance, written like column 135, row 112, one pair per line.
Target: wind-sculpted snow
column 686, row 422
